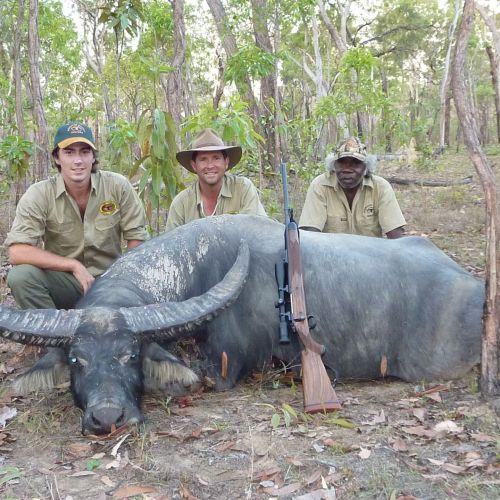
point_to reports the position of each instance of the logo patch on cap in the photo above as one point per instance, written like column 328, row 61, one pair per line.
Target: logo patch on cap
column 76, row 128
column 351, row 146
column 108, row 208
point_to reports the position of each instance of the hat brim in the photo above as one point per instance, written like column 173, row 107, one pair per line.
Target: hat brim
column 71, row 140
column 358, row 156
column 233, row 153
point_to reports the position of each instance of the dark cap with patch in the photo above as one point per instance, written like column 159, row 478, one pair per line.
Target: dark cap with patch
column 72, row 132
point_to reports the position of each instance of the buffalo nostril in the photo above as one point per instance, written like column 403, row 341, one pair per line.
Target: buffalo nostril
column 95, row 421
column 120, row 420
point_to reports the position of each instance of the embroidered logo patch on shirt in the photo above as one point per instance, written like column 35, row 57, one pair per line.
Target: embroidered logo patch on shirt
column 369, row 210
column 108, row 208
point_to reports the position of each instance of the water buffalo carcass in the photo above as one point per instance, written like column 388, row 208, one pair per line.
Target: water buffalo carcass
column 213, row 280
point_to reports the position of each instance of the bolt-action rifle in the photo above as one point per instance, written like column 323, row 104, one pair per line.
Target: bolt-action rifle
column 319, row 395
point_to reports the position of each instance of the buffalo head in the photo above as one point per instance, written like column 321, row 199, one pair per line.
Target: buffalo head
column 112, row 353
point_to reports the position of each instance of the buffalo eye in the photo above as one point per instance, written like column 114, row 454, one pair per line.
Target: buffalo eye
column 127, row 357
column 77, row 361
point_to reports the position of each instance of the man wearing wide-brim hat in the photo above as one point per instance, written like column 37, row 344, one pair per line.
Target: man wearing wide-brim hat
column 216, row 192
column 349, row 198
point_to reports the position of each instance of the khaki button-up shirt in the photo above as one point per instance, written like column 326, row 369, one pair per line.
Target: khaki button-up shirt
column 47, row 213
column 375, row 210
column 238, row 195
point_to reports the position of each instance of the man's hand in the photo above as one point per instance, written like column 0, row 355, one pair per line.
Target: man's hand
column 83, row 276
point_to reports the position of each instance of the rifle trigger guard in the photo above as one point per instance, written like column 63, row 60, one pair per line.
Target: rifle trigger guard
column 311, row 322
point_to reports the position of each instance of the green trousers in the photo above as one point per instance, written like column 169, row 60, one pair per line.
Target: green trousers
column 35, row 288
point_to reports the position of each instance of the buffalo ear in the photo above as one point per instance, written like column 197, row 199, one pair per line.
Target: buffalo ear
column 165, row 373
column 48, row 372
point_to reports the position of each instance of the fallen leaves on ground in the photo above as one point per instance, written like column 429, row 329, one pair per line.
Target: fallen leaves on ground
column 132, row 491
column 6, row 413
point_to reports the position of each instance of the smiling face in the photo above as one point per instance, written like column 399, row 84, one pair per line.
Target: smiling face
column 210, row 166
column 349, row 172
column 75, row 162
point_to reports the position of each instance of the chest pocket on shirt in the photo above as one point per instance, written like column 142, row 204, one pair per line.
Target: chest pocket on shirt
column 336, row 224
column 107, row 234
column 60, row 235
column 106, row 222
column 369, row 221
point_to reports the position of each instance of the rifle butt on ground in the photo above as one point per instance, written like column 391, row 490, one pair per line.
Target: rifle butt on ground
column 319, row 394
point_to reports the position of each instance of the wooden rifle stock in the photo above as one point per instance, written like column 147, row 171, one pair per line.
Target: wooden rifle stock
column 319, row 395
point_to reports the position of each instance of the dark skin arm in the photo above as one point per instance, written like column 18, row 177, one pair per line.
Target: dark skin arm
column 395, row 233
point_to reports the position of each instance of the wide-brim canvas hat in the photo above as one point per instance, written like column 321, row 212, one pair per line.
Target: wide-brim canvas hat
column 351, row 148
column 208, row 140
column 72, row 132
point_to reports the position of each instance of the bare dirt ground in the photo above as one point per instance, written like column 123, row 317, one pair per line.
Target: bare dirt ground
column 391, row 440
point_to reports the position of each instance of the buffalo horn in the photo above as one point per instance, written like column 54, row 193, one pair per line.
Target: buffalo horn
column 173, row 320
column 44, row 327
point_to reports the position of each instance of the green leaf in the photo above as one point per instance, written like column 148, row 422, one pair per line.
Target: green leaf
column 8, row 473
column 275, row 421
column 341, row 423
column 92, row 464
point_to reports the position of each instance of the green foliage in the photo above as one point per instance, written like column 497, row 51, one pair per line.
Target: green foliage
column 7, row 473
column 341, row 422
column 121, row 136
column 122, row 16
column 92, row 464
column 286, row 414
column 159, row 180
column 249, row 61
column 231, row 122
column 16, row 151
column 358, row 66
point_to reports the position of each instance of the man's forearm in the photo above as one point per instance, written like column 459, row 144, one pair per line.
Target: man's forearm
column 28, row 254
column 133, row 243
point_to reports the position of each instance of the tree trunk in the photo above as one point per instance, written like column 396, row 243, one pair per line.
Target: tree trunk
column 17, row 70
column 340, row 41
column 18, row 186
column 267, row 83
column 385, row 121
column 489, row 20
column 230, row 47
column 96, row 59
column 42, row 155
column 447, row 118
column 445, row 83
column 172, row 83
column 489, row 357
column 496, row 85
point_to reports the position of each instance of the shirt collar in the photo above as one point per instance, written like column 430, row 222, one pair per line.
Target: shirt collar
column 61, row 187
column 224, row 190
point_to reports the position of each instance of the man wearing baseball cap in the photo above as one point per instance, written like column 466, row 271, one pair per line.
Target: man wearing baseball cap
column 349, row 198
column 68, row 229
column 216, row 192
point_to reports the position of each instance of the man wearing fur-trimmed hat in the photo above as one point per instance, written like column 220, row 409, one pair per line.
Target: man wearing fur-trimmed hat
column 216, row 192
column 69, row 228
column 349, row 198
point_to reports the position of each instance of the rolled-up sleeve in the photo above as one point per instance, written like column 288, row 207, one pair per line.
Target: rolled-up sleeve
column 314, row 211
column 389, row 213
column 132, row 214
column 250, row 201
column 30, row 220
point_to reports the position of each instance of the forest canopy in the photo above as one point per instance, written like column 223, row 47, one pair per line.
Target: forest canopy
column 283, row 78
